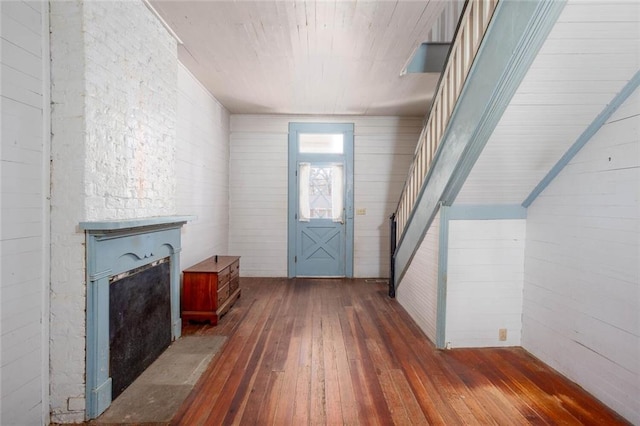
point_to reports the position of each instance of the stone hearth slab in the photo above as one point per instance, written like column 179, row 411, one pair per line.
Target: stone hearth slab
column 156, row 395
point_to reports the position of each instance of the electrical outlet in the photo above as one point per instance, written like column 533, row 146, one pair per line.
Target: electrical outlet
column 361, row 212
column 502, row 334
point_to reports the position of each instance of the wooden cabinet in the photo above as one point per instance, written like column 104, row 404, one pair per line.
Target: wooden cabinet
column 210, row 287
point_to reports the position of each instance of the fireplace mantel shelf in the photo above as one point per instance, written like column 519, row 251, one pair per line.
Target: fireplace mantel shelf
column 114, row 225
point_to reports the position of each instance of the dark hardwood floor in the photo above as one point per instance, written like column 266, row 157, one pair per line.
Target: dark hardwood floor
column 313, row 351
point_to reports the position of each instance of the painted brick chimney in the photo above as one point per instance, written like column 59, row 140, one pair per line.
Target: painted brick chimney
column 114, row 99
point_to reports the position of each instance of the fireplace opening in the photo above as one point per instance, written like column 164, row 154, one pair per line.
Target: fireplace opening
column 139, row 321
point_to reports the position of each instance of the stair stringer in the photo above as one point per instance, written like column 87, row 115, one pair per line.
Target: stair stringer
column 510, row 44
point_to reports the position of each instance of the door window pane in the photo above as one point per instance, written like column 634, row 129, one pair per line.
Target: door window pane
column 320, row 205
column 321, row 192
column 310, row 143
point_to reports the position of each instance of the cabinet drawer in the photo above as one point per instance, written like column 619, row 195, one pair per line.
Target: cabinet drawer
column 223, row 276
column 223, row 295
column 234, row 284
column 235, row 269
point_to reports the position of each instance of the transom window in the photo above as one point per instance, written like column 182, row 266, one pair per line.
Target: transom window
column 321, row 143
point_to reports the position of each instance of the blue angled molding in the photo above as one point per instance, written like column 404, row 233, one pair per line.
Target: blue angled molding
column 443, row 261
column 511, row 43
column 585, row 137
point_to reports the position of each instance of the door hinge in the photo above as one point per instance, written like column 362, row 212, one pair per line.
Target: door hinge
column 295, row 259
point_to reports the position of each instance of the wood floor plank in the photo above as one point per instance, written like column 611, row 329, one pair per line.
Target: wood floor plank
column 558, row 390
column 332, row 401
column 285, row 407
column 366, row 370
column 393, row 399
column 523, row 389
column 316, row 385
column 408, row 398
column 257, row 373
column 493, row 394
column 302, row 396
column 340, row 351
column 216, row 376
column 348, row 405
column 419, row 371
column 267, row 412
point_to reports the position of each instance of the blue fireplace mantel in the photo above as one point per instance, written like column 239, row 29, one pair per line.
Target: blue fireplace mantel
column 114, row 247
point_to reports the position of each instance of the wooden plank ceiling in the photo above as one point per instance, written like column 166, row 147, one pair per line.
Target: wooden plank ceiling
column 311, row 57
column 591, row 53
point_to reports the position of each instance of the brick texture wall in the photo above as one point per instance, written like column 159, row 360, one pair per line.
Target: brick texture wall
column 131, row 101
column 114, row 96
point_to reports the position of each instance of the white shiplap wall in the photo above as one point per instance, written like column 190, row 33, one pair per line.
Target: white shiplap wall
column 258, row 188
column 591, row 53
column 485, row 272
column 24, row 160
column 202, row 170
column 582, row 273
column 418, row 290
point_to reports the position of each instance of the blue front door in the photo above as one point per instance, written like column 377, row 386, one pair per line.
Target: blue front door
column 320, row 232
column 320, row 200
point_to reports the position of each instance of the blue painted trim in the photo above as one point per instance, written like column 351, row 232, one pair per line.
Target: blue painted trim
column 347, row 129
column 176, row 319
column 543, row 19
column 486, row 212
column 443, row 251
column 585, row 137
column 511, row 43
column 101, row 225
column 110, row 252
column 462, row 212
column 292, row 200
column 350, row 199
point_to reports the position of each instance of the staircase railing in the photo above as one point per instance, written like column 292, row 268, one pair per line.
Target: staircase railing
column 473, row 24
